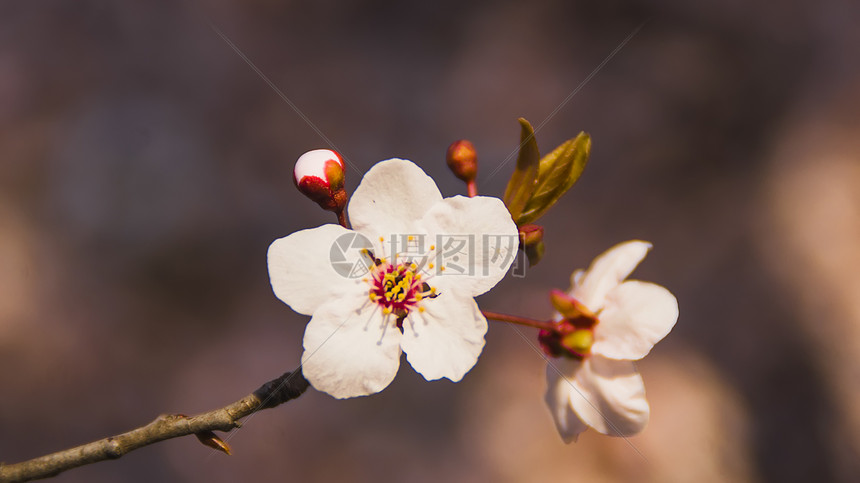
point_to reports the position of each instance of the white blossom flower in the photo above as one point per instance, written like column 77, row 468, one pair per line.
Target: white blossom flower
column 605, row 323
column 425, row 259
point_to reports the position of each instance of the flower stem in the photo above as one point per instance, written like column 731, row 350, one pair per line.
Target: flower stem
column 341, row 218
column 513, row 319
column 472, row 188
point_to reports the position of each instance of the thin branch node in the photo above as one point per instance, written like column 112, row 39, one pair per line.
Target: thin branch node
column 113, row 448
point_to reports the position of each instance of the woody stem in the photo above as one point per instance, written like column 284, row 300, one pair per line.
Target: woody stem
column 167, row 426
column 513, row 319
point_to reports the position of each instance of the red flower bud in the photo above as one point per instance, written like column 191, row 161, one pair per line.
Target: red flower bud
column 319, row 176
column 463, row 160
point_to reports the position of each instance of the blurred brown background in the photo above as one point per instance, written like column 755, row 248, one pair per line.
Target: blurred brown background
column 145, row 168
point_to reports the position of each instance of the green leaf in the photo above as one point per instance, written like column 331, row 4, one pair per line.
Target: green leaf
column 558, row 172
column 522, row 183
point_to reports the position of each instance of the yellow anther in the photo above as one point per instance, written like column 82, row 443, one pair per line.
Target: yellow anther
column 413, row 266
column 430, row 265
column 386, row 310
column 410, row 238
column 382, row 239
column 421, row 309
column 418, row 297
column 441, row 269
column 432, row 247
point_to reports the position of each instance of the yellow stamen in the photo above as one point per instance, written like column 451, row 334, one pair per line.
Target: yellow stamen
column 421, row 309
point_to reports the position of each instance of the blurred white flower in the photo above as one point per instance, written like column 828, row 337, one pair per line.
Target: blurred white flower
column 417, row 262
column 605, row 323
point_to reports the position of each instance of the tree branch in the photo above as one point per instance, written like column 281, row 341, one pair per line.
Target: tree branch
column 167, row 426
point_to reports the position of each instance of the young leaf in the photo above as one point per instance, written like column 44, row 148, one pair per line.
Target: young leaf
column 212, row 440
column 558, row 172
column 522, row 183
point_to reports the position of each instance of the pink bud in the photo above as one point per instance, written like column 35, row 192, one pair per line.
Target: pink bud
column 319, row 176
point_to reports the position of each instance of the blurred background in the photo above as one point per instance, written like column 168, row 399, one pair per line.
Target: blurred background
column 145, row 168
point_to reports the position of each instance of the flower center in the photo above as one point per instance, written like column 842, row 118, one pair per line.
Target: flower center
column 571, row 337
column 398, row 289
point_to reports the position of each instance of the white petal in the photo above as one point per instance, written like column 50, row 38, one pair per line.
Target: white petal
column 609, row 396
column 446, row 339
column 576, row 277
column 606, row 272
column 559, row 373
column 476, row 242
column 301, row 268
column 350, row 352
column 637, row 315
column 391, row 198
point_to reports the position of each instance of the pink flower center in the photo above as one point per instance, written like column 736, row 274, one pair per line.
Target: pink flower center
column 398, row 289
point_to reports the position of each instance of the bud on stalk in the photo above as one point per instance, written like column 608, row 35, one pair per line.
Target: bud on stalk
column 319, row 176
column 531, row 242
column 462, row 159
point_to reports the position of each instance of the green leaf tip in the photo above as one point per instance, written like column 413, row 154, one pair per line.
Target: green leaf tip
column 524, row 179
column 558, row 171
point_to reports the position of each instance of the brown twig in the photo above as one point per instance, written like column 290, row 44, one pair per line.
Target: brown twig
column 167, row 426
column 513, row 319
